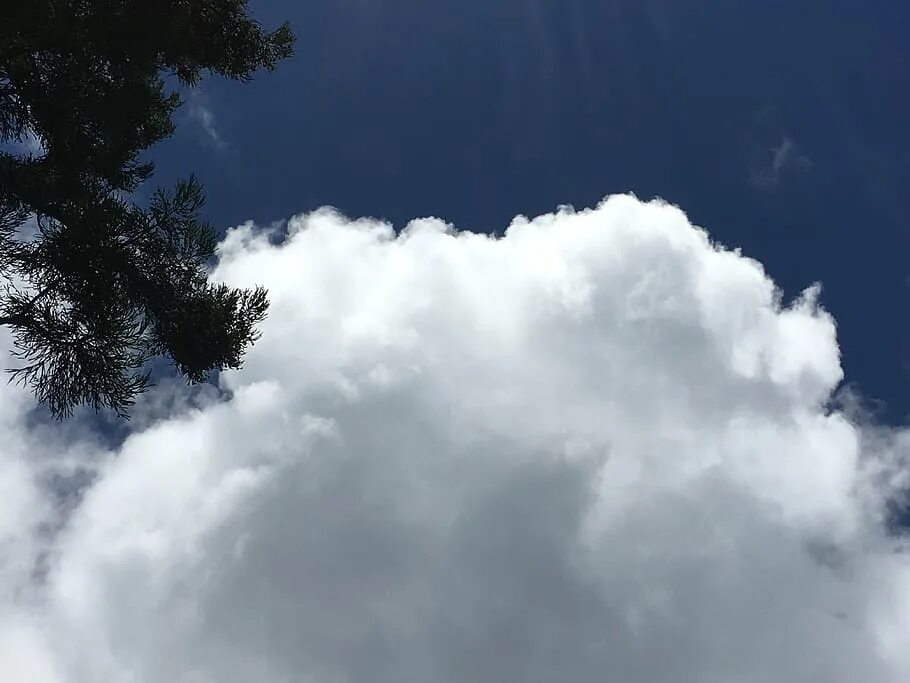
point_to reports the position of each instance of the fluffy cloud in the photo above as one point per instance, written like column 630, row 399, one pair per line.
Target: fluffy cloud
column 598, row 447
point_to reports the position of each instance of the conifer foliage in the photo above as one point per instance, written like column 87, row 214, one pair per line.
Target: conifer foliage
column 93, row 285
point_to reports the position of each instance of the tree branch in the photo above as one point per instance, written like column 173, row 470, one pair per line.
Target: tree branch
column 10, row 320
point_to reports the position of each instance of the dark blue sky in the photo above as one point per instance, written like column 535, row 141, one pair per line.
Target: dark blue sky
column 781, row 126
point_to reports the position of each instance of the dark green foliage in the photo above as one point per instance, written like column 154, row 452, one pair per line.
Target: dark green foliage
column 105, row 285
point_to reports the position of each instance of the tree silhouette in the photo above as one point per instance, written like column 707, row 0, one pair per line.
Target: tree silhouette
column 102, row 285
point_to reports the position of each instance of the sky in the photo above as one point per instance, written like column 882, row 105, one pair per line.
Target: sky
column 778, row 126
column 594, row 371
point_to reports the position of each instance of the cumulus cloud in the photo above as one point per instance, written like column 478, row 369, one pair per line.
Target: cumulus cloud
column 599, row 447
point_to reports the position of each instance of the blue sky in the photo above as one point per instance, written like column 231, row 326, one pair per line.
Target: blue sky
column 544, row 457
column 778, row 126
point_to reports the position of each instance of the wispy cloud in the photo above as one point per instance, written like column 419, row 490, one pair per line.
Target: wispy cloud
column 782, row 160
column 199, row 111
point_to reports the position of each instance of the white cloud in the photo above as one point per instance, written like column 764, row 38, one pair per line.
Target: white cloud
column 596, row 448
column 199, row 111
column 786, row 159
